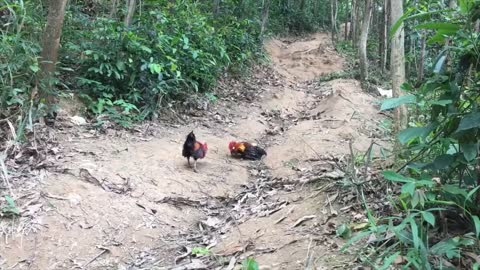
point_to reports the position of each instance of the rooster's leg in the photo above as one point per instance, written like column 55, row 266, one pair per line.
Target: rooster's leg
column 195, row 165
column 188, row 160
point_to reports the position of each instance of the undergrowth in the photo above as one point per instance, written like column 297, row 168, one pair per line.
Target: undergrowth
column 171, row 50
column 433, row 191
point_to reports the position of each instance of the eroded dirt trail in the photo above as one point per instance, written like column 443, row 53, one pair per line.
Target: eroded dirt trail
column 127, row 200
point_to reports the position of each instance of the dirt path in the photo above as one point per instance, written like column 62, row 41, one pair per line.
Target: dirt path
column 127, row 200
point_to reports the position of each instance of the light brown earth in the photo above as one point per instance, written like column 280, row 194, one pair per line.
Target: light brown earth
column 127, row 199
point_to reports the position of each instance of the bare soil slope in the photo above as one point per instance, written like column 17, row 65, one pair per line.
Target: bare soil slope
column 127, row 199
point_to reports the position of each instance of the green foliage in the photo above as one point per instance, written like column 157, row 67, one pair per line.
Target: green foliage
column 392, row 103
column 290, row 17
column 172, row 50
column 10, row 209
column 344, row 231
column 249, row 264
column 201, row 251
column 441, row 149
column 19, row 52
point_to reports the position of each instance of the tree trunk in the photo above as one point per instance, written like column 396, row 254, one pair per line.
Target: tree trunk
column 113, row 11
column 333, row 18
column 353, row 25
column 421, row 65
column 357, row 23
column 216, row 7
column 397, row 63
column 362, row 44
column 51, row 43
column 302, row 5
column 346, row 30
column 384, row 37
column 265, row 10
column 453, row 5
column 131, row 4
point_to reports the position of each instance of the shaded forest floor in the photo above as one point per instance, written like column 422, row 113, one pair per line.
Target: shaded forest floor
column 117, row 199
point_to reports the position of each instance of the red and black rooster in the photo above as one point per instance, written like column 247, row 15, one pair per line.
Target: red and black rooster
column 246, row 150
column 194, row 149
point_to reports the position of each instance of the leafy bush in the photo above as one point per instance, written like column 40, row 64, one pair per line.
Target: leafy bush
column 19, row 51
column 436, row 222
column 171, row 51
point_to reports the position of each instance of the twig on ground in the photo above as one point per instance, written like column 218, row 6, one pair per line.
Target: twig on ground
column 308, row 260
column 285, row 216
column 104, row 250
column 303, row 219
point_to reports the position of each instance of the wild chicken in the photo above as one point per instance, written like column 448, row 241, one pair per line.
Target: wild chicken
column 194, row 149
column 246, row 150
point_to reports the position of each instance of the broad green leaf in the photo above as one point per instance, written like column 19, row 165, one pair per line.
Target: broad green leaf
column 120, row 65
column 437, row 38
column 429, row 217
column 476, row 222
column 344, row 231
column 455, row 190
column 11, row 208
column 469, row 121
column 439, row 26
column 415, row 199
column 392, row 103
column 409, row 188
column 446, row 248
column 442, row 102
column 408, row 134
column 415, row 238
column 389, row 260
column 35, row 68
column 465, row 6
column 399, row 22
column 443, row 161
column 470, row 194
column 354, row 239
column 395, row 177
column 249, row 264
column 406, row 16
column 470, row 151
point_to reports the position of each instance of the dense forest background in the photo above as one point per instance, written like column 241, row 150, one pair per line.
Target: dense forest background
column 129, row 61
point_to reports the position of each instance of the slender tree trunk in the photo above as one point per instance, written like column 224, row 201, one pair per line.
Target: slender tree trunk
column 421, row 65
column 353, row 19
column 453, row 5
column 384, row 37
column 216, row 7
column 380, row 34
column 398, row 64
column 357, row 23
column 346, row 30
column 346, row 27
column 265, row 11
column 131, row 4
column 410, row 51
column 362, row 44
column 113, row 11
column 302, row 5
column 51, row 43
column 333, row 18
